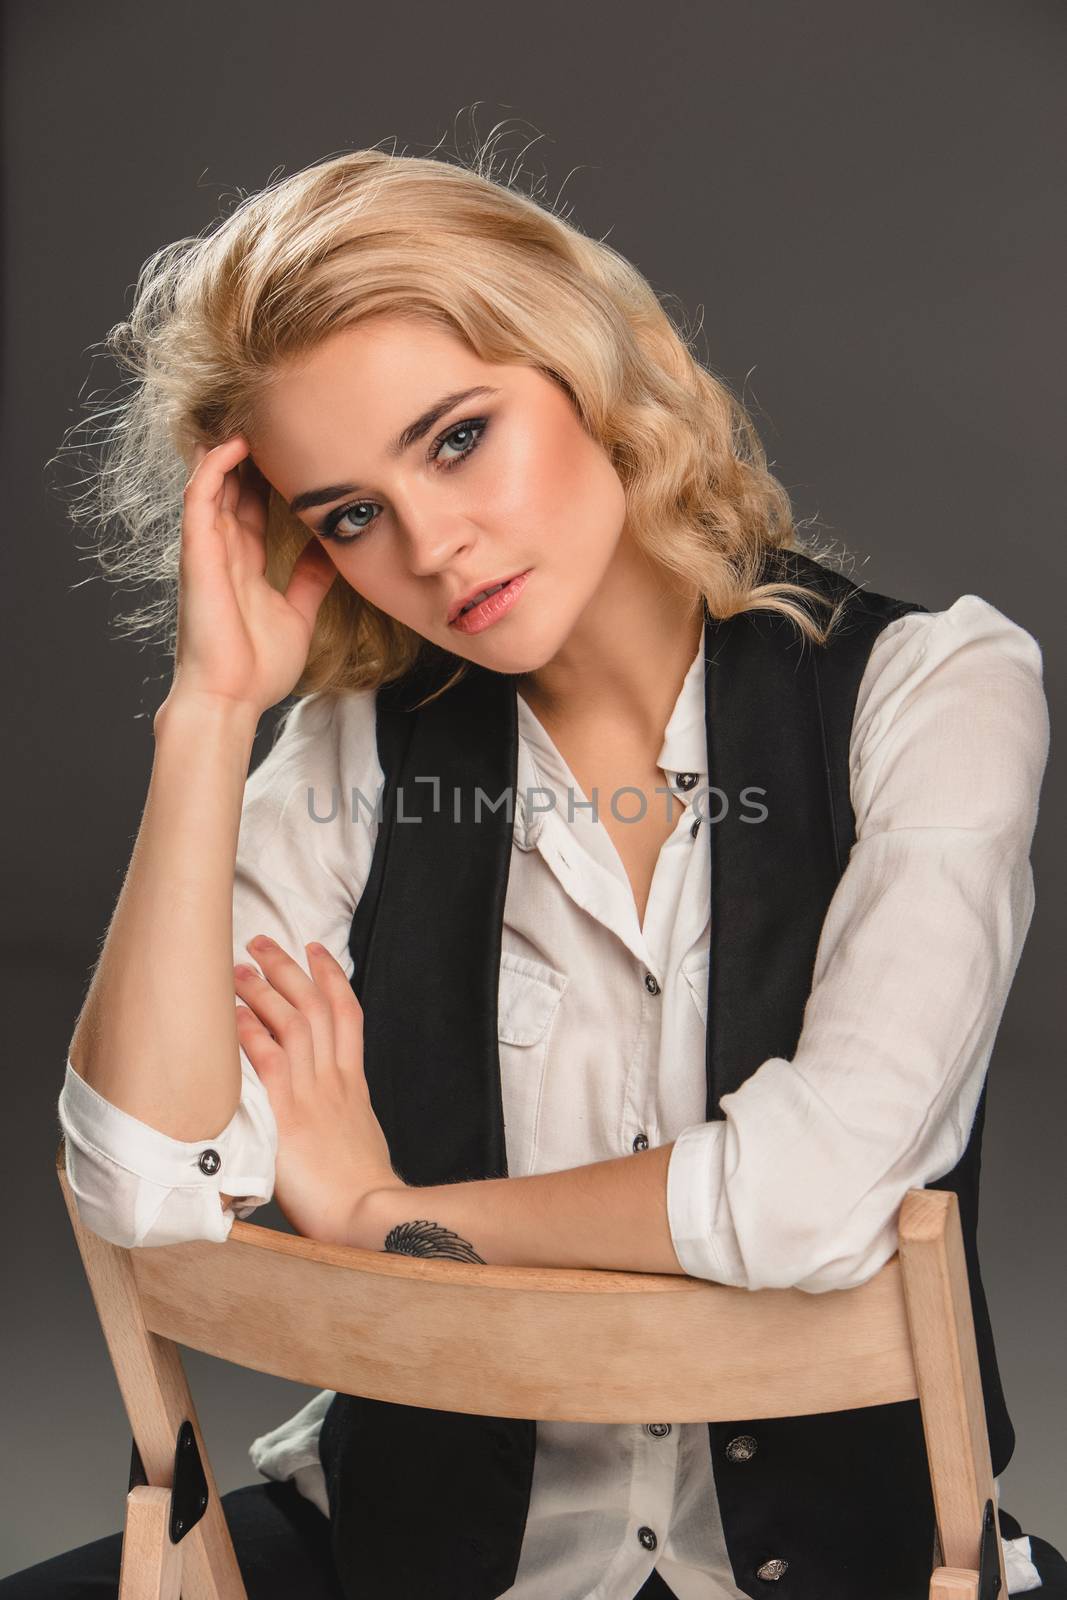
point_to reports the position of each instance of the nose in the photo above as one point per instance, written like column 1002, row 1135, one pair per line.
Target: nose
column 432, row 538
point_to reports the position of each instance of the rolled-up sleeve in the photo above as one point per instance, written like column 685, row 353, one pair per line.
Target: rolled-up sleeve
column 136, row 1186
column 302, row 860
column 801, row 1183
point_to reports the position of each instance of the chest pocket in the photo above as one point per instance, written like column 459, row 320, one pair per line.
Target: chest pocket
column 528, row 1000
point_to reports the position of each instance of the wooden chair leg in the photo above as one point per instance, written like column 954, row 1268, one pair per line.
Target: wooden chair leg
column 156, row 1395
column 151, row 1565
column 949, row 1380
column 954, row 1583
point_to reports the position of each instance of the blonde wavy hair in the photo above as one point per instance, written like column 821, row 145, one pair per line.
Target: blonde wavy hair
column 365, row 234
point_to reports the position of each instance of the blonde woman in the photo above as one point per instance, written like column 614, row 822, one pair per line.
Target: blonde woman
column 703, row 982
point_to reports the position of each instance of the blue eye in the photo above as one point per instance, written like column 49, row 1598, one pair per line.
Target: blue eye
column 472, row 429
column 330, row 525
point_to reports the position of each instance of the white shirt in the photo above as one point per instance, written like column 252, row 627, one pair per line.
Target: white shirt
column 801, row 1183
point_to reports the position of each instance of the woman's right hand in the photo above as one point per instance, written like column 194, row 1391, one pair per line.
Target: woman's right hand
column 239, row 640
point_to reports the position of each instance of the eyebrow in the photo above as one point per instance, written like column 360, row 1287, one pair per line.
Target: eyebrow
column 404, row 440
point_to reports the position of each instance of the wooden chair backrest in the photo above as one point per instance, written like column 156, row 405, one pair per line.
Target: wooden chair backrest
column 546, row 1344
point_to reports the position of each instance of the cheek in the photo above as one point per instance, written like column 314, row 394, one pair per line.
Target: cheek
column 519, row 486
column 553, row 480
column 372, row 580
column 595, row 505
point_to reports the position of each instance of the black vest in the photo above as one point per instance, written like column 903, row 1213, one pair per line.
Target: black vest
column 432, row 1505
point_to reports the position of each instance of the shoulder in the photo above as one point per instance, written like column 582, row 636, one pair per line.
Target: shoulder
column 955, row 692
column 971, row 643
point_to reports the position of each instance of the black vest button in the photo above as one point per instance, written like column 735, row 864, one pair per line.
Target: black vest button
column 647, row 1538
column 640, row 1141
column 695, row 829
column 772, row 1570
column 650, row 984
column 686, row 780
column 210, row 1162
column 743, row 1448
column 659, row 1430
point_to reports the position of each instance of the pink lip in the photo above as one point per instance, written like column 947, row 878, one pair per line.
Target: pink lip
column 489, row 611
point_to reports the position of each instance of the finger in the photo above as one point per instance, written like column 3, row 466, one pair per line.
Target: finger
column 255, row 493
column 231, row 490
column 266, row 1055
column 289, row 1028
column 203, row 540
column 347, row 1011
column 288, row 983
column 208, row 477
column 213, row 461
column 250, row 517
column 311, row 579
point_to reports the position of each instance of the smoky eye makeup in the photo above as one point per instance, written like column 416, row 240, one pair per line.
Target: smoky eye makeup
column 476, row 427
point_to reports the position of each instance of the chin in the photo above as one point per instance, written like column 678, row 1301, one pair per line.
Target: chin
column 512, row 660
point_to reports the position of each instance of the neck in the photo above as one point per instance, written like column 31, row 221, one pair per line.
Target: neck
column 624, row 661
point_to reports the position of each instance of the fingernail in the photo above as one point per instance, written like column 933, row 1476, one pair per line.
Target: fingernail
column 260, row 942
column 242, row 971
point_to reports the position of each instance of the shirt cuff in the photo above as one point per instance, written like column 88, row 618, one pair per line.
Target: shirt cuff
column 1019, row 1569
column 136, row 1185
column 698, row 1214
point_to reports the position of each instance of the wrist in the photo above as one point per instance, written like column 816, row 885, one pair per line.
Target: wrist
column 374, row 1213
column 191, row 707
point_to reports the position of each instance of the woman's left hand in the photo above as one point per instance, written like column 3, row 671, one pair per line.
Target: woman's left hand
column 304, row 1037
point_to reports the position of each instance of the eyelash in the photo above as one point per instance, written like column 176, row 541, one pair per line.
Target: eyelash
column 329, row 526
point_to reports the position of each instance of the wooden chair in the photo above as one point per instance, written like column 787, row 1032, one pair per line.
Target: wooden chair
column 547, row 1344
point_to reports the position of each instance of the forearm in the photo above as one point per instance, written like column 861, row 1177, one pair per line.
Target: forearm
column 610, row 1214
column 157, row 1033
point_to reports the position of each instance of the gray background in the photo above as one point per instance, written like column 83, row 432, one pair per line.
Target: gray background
column 858, row 201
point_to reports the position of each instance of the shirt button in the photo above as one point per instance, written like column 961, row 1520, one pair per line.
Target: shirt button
column 686, row 780
column 743, row 1448
column 772, row 1570
column 695, row 829
column 659, row 1430
column 640, row 1141
column 647, row 1538
column 210, row 1161
column 650, row 984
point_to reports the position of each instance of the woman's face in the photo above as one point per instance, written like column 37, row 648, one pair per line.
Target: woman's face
column 501, row 483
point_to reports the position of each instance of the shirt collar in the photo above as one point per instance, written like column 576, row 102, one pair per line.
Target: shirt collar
column 685, row 740
column 683, row 750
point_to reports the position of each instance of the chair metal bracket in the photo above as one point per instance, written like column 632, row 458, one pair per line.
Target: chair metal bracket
column 989, row 1556
column 189, row 1491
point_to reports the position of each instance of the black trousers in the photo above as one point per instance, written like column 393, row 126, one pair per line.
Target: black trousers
column 281, row 1540
column 282, row 1543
